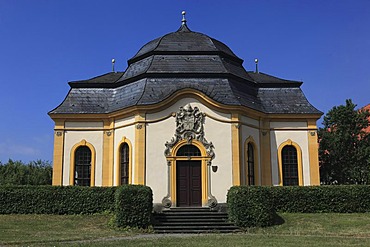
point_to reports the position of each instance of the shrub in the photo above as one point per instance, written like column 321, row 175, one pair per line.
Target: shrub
column 250, row 206
column 317, row 199
column 255, row 206
column 56, row 199
column 134, row 204
column 18, row 173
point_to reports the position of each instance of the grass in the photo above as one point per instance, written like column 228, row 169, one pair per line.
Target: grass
column 93, row 230
column 27, row 229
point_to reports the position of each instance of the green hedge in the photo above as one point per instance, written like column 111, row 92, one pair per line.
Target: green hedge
column 255, row 205
column 250, row 206
column 322, row 199
column 56, row 199
column 134, row 204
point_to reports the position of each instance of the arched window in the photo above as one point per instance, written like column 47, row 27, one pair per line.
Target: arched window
column 290, row 165
column 82, row 171
column 188, row 150
column 124, row 163
column 250, row 153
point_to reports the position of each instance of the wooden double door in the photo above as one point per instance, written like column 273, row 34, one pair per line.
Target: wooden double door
column 188, row 183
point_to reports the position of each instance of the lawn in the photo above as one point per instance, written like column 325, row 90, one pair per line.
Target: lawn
column 94, row 230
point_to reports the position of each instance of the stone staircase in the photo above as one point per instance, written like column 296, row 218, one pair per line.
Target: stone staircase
column 192, row 220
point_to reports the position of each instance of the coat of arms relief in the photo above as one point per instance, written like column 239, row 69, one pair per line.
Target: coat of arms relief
column 189, row 126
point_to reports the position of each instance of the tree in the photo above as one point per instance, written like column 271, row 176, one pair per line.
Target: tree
column 344, row 146
column 17, row 173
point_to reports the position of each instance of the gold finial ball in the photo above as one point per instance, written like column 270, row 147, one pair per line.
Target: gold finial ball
column 256, row 60
column 183, row 12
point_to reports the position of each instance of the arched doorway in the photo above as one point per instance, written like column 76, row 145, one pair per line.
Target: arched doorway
column 189, row 177
column 189, row 157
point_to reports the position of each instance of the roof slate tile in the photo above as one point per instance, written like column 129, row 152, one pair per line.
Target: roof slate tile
column 185, row 60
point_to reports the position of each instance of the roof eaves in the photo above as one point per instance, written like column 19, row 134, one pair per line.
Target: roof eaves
column 65, row 98
column 278, row 82
column 88, row 83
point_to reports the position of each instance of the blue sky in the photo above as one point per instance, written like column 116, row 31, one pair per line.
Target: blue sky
column 46, row 43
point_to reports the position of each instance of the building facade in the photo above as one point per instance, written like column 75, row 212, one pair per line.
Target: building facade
column 188, row 120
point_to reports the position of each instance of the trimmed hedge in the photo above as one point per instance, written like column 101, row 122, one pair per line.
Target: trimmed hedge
column 134, row 204
column 56, row 199
column 250, row 206
column 322, row 199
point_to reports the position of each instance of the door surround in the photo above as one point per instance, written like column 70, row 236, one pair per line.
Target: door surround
column 171, row 162
column 189, row 131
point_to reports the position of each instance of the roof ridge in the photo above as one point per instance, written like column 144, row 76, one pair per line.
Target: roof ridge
column 150, row 64
column 98, row 79
column 277, row 77
column 184, row 28
column 95, row 77
column 136, row 58
column 142, row 93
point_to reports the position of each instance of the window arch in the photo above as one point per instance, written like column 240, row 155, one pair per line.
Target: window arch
column 188, row 150
column 250, row 162
column 82, row 164
column 82, row 174
column 124, row 162
column 290, row 164
column 250, row 167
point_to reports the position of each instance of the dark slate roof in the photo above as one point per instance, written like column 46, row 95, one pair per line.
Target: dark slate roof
column 207, row 65
column 185, row 52
column 99, row 81
column 184, row 41
column 183, row 60
column 106, row 78
column 285, row 101
column 265, row 80
column 151, row 91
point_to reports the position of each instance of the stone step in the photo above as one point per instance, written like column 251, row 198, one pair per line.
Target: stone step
column 188, row 231
column 179, row 227
column 188, row 209
column 184, row 219
column 195, row 223
column 191, row 213
column 195, row 229
column 192, row 220
column 190, row 216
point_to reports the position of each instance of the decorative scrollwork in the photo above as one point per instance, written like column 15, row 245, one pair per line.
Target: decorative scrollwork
column 189, row 126
column 166, row 202
column 212, row 202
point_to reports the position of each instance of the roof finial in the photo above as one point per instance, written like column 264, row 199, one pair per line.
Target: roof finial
column 183, row 21
column 113, row 61
column 256, row 61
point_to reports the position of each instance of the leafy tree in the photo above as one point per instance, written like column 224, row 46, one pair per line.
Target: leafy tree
column 17, row 173
column 344, row 149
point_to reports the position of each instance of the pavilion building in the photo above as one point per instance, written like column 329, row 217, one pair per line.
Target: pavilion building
column 188, row 120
